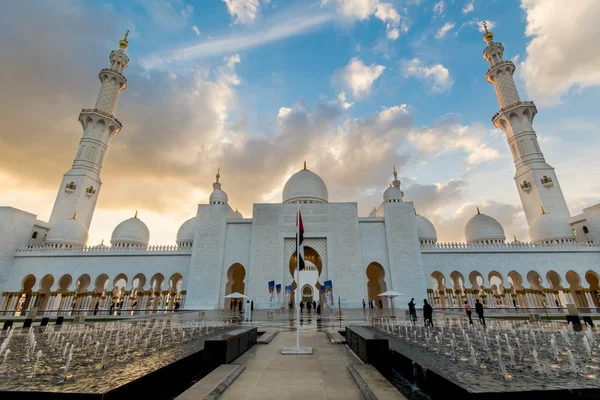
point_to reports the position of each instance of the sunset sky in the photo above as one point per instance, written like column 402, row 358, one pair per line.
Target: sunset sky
column 256, row 87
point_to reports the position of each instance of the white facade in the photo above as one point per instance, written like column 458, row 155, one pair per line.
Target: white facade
column 219, row 252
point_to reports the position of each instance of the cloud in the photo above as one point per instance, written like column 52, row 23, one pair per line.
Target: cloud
column 448, row 135
column 279, row 28
column 196, row 30
column 439, row 7
column 444, row 29
column 562, row 54
column 359, row 77
column 168, row 15
column 469, row 7
column 353, row 9
column 436, row 75
column 243, row 11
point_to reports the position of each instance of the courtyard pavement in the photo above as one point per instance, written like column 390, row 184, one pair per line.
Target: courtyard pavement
column 320, row 376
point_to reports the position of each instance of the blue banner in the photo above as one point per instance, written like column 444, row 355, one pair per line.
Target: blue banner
column 271, row 285
column 328, row 284
column 278, row 287
column 288, row 288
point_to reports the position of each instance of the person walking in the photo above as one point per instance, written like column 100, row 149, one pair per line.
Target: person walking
column 380, row 304
column 364, row 305
column 319, row 309
column 427, row 313
column 412, row 310
column 469, row 312
column 479, row 311
column 301, row 307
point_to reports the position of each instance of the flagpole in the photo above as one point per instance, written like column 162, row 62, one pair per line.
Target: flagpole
column 298, row 276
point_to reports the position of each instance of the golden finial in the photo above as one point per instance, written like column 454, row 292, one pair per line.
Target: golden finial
column 102, row 243
column 515, row 238
column 487, row 36
column 543, row 211
column 218, row 174
column 124, row 43
column 74, row 215
column 395, row 173
column 478, row 212
column 135, row 216
column 305, row 169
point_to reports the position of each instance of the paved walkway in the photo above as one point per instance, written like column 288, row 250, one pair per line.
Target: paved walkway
column 270, row 375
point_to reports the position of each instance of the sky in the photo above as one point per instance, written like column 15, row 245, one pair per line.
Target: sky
column 256, row 87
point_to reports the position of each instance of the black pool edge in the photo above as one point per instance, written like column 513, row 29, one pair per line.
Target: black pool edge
column 166, row 382
column 437, row 387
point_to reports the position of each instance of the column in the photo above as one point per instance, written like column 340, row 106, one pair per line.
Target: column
column 450, row 297
column 164, row 299
column 182, row 296
column 126, row 300
column 589, row 298
column 32, row 300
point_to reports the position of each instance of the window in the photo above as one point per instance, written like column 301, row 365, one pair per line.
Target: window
column 34, row 236
column 586, row 230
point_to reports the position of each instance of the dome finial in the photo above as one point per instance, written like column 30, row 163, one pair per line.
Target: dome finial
column 543, row 211
column 74, row 215
column 395, row 173
column 478, row 212
column 305, row 169
column 487, row 36
column 124, row 44
column 515, row 238
column 102, row 242
column 218, row 174
column 135, row 216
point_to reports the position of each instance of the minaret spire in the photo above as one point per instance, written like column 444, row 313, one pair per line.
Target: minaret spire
column 80, row 186
column 536, row 180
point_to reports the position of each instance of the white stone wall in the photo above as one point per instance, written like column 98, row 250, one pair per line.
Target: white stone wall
column 373, row 246
column 203, row 286
column 404, row 251
column 237, row 250
column 15, row 232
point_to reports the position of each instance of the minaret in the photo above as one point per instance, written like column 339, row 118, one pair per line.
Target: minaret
column 536, row 181
column 80, row 186
column 396, row 182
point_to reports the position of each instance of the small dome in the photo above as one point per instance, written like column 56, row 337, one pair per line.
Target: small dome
column 426, row 230
column 305, row 186
column 185, row 234
column 68, row 233
column 131, row 232
column 236, row 214
column 373, row 213
column 484, row 229
column 392, row 195
column 550, row 228
column 218, row 196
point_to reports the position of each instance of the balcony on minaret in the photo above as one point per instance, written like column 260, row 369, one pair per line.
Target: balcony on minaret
column 89, row 192
column 526, row 186
column 546, row 181
column 70, row 187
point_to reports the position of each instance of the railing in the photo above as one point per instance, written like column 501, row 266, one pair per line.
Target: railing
column 95, row 110
column 511, row 106
column 511, row 246
column 104, row 250
column 499, row 64
column 114, row 72
column 89, row 312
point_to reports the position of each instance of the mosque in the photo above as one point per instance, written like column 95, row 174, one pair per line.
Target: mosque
column 49, row 265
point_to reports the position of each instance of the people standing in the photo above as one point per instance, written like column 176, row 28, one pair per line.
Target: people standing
column 479, row 311
column 319, row 309
column 427, row 313
column 301, row 307
column 469, row 312
column 380, row 304
column 240, row 306
column 364, row 305
column 412, row 310
column 308, row 305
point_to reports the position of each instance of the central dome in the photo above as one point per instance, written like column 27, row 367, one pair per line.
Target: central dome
column 305, row 186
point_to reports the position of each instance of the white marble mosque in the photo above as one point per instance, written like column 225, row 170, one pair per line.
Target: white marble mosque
column 49, row 265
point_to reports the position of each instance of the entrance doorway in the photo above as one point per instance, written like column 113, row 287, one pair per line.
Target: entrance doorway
column 307, row 293
column 376, row 284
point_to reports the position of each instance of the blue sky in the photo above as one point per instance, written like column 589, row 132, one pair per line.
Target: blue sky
column 255, row 87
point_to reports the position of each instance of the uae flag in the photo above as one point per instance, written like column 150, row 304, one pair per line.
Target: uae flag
column 300, row 241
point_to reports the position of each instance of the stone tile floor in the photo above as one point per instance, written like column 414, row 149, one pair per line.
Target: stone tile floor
column 270, row 375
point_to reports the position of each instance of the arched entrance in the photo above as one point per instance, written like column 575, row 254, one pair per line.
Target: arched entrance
column 376, row 284
column 235, row 282
column 307, row 293
column 576, row 289
column 313, row 266
column 594, row 280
